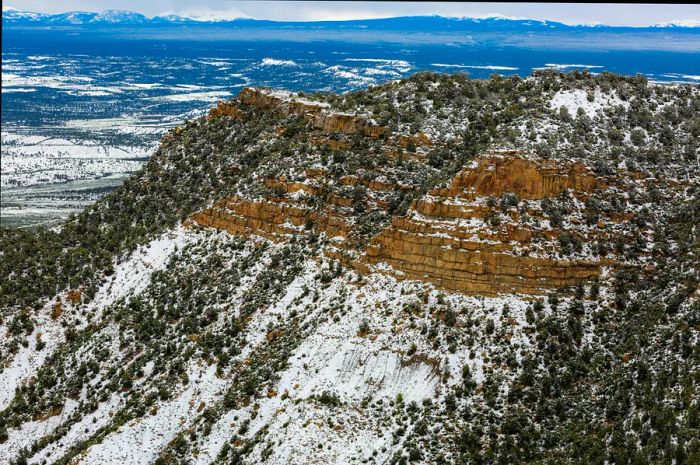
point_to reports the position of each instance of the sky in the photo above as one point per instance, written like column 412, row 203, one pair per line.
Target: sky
column 574, row 13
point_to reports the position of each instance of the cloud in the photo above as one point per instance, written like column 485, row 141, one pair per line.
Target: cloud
column 323, row 14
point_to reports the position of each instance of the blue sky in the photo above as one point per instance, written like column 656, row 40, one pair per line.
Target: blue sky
column 612, row 14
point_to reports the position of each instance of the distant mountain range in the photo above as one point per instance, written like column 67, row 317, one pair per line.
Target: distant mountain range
column 13, row 17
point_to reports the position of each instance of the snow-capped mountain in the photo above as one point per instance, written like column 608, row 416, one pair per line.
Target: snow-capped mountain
column 120, row 16
column 690, row 23
column 16, row 17
column 13, row 14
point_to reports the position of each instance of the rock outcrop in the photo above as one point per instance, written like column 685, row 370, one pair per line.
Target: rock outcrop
column 274, row 220
column 318, row 114
column 446, row 240
column 225, row 109
column 447, row 237
column 419, row 250
column 529, row 179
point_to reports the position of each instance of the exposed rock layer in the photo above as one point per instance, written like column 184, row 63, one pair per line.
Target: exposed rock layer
column 314, row 113
column 444, row 239
column 528, row 179
column 440, row 242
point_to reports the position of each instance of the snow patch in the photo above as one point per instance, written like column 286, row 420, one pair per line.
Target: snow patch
column 572, row 100
column 568, row 66
column 275, row 62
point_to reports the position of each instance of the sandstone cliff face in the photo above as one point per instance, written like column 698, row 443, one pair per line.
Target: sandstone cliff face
column 531, row 179
column 474, row 265
column 446, row 238
column 347, row 124
column 225, row 109
column 317, row 114
column 271, row 219
column 446, row 241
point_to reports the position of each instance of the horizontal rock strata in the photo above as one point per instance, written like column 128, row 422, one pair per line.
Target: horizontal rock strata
column 274, row 221
column 315, row 113
column 446, row 238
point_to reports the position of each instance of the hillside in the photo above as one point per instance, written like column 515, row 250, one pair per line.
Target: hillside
column 433, row 270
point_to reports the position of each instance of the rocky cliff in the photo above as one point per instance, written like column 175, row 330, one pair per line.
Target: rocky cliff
column 448, row 237
column 315, row 113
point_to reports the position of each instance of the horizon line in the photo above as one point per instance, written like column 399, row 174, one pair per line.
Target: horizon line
column 207, row 18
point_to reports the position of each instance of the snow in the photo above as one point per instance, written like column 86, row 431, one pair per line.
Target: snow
column 139, row 442
column 691, row 77
column 72, row 85
column 381, row 72
column 32, row 159
column 211, row 96
column 79, row 431
column 399, row 65
column 680, row 23
column 29, row 359
column 335, row 359
column 492, row 67
column 352, row 436
column 572, row 100
column 351, row 74
column 275, row 62
column 568, row 66
column 122, row 125
column 130, row 277
column 33, row 430
column 215, row 62
column 10, row 90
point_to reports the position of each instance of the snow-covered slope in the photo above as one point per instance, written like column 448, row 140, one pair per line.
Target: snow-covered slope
column 337, row 371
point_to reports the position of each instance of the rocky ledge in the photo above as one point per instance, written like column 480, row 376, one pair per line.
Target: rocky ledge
column 486, row 233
